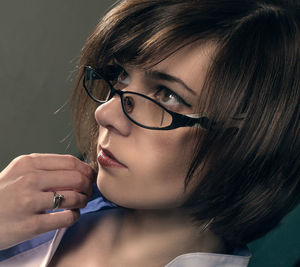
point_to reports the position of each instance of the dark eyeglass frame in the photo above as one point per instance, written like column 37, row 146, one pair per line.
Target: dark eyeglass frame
column 178, row 120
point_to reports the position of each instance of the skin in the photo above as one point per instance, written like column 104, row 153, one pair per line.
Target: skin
column 157, row 161
column 155, row 229
column 32, row 180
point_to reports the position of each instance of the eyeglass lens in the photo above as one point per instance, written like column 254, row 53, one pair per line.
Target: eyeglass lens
column 138, row 108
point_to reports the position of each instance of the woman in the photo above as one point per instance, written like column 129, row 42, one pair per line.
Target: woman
column 188, row 112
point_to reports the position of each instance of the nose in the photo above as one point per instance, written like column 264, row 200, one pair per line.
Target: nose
column 111, row 116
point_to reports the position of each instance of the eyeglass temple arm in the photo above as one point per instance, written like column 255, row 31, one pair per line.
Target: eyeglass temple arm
column 207, row 123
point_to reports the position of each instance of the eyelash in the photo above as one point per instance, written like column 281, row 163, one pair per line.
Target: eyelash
column 178, row 98
column 119, row 70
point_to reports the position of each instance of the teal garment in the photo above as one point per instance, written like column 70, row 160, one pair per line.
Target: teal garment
column 281, row 246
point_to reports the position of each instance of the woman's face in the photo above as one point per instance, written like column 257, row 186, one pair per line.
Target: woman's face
column 154, row 163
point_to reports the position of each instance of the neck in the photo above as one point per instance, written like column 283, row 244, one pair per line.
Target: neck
column 161, row 235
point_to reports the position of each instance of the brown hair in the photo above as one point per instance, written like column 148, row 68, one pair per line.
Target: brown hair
column 253, row 175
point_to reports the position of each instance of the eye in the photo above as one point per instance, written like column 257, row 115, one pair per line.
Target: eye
column 123, row 77
column 170, row 100
column 117, row 76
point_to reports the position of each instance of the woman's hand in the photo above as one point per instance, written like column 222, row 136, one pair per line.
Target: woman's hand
column 26, row 192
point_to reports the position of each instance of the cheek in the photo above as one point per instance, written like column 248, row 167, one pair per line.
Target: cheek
column 168, row 157
column 174, row 147
column 155, row 179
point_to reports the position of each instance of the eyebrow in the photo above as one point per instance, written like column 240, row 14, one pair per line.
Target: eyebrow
column 155, row 74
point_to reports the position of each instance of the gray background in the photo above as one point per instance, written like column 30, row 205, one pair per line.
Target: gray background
column 40, row 43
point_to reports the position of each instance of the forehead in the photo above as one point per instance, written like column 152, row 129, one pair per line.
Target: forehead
column 190, row 64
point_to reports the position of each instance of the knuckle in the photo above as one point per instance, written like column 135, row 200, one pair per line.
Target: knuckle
column 34, row 155
column 71, row 161
column 35, row 159
column 22, row 161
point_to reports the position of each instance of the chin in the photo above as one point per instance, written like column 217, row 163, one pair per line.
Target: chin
column 123, row 194
column 129, row 201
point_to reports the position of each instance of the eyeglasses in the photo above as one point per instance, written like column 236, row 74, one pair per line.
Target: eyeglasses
column 141, row 109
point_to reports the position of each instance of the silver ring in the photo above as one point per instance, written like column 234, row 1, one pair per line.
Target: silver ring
column 57, row 198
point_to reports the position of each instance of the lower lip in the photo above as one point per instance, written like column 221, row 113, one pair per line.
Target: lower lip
column 108, row 162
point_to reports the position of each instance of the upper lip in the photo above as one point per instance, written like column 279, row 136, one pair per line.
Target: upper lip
column 111, row 155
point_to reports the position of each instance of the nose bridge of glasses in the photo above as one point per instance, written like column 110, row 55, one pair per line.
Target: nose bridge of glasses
column 114, row 96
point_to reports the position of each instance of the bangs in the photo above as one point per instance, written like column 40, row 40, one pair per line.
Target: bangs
column 145, row 34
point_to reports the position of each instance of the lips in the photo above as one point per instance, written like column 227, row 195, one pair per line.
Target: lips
column 108, row 160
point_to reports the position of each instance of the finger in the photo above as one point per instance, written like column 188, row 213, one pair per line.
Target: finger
column 64, row 162
column 63, row 180
column 71, row 200
column 51, row 162
column 42, row 223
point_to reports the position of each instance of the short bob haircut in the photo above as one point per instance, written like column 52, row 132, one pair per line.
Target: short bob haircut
column 251, row 179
